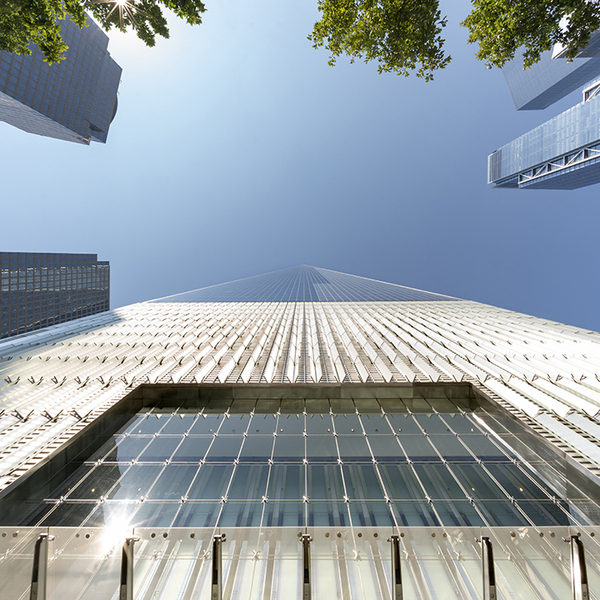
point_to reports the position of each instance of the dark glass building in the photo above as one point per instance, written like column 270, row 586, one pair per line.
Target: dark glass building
column 38, row 289
column 74, row 100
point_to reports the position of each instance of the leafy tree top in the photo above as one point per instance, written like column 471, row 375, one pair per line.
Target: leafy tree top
column 38, row 21
column 401, row 36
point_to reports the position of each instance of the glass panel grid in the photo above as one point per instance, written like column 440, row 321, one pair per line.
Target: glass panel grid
column 299, row 470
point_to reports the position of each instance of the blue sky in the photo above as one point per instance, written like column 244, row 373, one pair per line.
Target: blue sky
column 237, row 150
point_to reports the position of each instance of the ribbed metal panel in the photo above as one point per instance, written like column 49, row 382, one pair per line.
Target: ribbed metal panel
column 53, row 383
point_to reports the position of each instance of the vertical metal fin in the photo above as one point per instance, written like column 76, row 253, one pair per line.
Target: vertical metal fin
column 217, row 573
column 126, row 583
column 396, row 568
column 489, row 574
column 305, row 540
column 579, row 580
column 40, row 567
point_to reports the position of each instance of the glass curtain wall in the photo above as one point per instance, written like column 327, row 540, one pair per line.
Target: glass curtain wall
column 304, row 470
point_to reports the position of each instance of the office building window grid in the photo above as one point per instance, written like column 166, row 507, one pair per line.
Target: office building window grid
column 38, row 290
column 78, row 94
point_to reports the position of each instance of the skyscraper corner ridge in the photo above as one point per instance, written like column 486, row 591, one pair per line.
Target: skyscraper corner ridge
column 305, row 283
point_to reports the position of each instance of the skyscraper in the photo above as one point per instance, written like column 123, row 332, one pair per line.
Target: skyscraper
column 42, row 289
column 74, row 100
column 303, row 432
column 550, row 79
column 563, row 153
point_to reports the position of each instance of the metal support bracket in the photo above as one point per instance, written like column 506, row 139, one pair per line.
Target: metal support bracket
column 396, row 569
column 40, row 567
column 126, row 583
column 489, row 574
column 305, row 540
column 579, row 580
column 217, row 570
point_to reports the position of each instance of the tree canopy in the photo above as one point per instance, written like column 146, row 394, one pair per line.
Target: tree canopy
column 501, row 27
column 404, row 36
column 38, row 21
column 401, row 36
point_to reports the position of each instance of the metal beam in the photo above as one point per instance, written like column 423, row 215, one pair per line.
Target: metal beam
column 40, row 567
column 305, row 540
column 396, row 568
column 126, row 583
column 579, row 580
column 217, row 569
column 489, row 573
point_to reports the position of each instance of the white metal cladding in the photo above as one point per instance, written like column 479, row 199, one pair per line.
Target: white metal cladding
column 54, row 382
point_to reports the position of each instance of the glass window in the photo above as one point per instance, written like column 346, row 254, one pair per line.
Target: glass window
column 235, row 424
column 224, row 448
column 289, row 448
column 484, row 449
column 135, row 482
column 126, row 450
column 438, row 482
column 400, row 482
column 362, row 482
column 287, row 482
column 386, row 448
column 241, row 514
column 249, row 482
column 179, row 424
column 418, row 448
column 404, row 424
column 173, row 482
column 318, row 424
column 353, row 447
column 432, row 423
column 375, row 424
column 325, row 483
column 99, row 482
column 450, row 448
column 211, row 482
column 321, row 448
column 347, row 424
column 149, row 424
column 290, row 424
column 257, row 448
column 160, row 449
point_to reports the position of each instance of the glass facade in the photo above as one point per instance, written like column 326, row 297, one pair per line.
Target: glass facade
column 175, row 479
column 547, row 81
column 563, row 153
column 39, row 290
column 303, row 470
column 74, row 100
